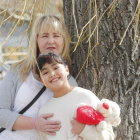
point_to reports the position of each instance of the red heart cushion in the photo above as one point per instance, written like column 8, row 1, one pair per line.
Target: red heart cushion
column 88, row 115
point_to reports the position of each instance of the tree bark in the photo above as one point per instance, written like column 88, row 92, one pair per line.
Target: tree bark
column 112, row 70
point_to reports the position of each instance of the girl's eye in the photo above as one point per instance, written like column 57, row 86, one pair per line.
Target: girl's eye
column 45, row 73
column 56, row 68
column 56, row 36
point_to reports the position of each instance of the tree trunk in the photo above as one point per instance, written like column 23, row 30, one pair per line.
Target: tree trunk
column 111, row 71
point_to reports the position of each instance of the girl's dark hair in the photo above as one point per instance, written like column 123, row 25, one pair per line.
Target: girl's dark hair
column 48, row 58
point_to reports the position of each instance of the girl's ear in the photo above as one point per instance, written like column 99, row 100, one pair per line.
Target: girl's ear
column 67, row 70
column 40, row 79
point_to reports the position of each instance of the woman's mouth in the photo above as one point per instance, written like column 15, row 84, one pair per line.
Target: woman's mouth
column 51, row 48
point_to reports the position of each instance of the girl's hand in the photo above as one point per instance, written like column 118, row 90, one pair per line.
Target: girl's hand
column 77, row 127
column 47, row 126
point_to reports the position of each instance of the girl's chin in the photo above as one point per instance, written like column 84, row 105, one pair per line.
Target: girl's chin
column 57, row 86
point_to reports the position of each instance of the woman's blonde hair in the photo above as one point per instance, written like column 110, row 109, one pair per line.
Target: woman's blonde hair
column 42, row 24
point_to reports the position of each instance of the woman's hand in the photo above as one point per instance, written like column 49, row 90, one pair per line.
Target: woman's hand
column 47, row 126
column 77, row 127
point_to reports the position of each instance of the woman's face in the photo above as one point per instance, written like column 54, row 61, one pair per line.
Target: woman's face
column 51, row 41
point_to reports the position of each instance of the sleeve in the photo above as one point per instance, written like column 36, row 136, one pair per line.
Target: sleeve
column 90, row 131
column 7, row 90
column 72, row 81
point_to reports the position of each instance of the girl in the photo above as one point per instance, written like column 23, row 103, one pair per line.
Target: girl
column 54, row 72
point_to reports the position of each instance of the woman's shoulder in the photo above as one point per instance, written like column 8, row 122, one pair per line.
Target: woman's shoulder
column 12, row 74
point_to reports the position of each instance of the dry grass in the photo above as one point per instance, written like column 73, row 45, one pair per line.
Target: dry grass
column 137, row 12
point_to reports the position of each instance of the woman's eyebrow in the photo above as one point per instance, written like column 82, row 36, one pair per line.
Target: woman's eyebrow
column 44, row 34
column 48, row 33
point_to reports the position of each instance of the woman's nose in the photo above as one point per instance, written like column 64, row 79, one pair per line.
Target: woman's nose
column 50, row 40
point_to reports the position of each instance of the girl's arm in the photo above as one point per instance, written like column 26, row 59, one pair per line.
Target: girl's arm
column 89, row 132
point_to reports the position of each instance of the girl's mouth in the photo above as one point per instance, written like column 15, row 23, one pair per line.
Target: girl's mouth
column 55, row 80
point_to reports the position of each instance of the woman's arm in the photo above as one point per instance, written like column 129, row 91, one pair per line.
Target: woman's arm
column 7, row 96
column 12, row 120
column 41, row 124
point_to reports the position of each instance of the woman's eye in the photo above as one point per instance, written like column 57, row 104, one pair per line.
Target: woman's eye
column 56, row 36
column 44, row 36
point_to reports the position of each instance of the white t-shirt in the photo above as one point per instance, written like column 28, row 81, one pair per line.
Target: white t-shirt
column 28, row 90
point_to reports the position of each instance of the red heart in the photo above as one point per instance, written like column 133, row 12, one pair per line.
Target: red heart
column 88, row 115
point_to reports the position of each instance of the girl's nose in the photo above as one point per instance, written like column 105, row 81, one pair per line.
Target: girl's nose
column 52, row 74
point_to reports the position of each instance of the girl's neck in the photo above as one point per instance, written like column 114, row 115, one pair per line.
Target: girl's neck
column 63, row 91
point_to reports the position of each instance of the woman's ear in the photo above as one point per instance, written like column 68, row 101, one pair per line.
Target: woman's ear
column 67, row 70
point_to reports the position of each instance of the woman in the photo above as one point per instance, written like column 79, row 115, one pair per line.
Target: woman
column 21, row 84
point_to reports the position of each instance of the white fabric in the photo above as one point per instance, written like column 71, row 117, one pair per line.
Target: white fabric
column 64, row 108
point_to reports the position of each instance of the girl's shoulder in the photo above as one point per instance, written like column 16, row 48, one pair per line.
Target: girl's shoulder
column 86, row 96
column 84, row 91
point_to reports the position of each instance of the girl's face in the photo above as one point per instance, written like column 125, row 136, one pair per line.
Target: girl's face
column 55, row 75
column 51, row 41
